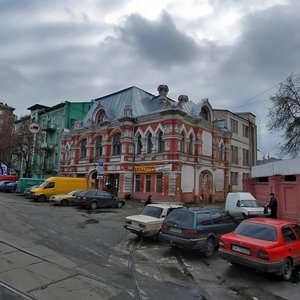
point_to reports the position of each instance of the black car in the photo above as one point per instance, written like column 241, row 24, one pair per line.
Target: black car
column 95, row 199
column 197, row 228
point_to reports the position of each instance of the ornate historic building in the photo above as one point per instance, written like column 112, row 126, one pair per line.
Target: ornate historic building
column 137, row 143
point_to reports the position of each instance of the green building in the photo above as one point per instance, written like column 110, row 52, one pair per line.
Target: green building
column 48, row 123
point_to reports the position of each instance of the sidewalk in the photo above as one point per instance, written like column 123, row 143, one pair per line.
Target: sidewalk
column 29, row 272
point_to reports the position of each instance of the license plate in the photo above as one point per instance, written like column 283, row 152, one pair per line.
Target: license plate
column 176, row 230
column 240, row 249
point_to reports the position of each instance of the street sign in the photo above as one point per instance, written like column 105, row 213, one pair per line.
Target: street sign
column 100, row 168
column 34, row 128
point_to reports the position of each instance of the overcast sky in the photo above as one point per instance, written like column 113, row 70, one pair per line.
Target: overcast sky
column 229, row 51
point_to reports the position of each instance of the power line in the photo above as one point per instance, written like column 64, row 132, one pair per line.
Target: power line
column 261, row 93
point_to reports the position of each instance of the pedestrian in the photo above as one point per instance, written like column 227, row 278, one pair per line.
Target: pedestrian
column 273, row 206
column 149, row 200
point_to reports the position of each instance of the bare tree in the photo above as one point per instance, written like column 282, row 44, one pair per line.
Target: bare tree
column 25, row 144
column 285, row 114
column 6, row 142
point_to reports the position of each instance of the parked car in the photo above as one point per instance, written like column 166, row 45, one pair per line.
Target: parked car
column 3, row 185
column 148, row 222
column 10, row 187
column 65, row 199
column 265, row 244
column 197, row 228
column 243, row 205
column 95, row 199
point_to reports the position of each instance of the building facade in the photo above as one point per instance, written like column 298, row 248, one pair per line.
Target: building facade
column 243, row 144
column 51, row 122
column 7, row 118
column 133, row 142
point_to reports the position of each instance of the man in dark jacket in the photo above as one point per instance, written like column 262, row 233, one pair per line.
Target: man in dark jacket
column 273, row 206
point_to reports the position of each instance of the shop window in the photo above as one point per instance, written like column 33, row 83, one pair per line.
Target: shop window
column 159, row 183
column 137, row 183
column 148, row 183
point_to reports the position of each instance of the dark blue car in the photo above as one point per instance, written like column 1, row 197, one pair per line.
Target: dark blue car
column 9, row 187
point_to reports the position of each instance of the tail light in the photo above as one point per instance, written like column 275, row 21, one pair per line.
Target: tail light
column 83, row 198
column 221, row 244
column 190, row 232
column 142, row 225
column 263, row 254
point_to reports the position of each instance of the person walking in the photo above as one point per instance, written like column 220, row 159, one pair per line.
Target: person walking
column 273, row 206
column 149, row 200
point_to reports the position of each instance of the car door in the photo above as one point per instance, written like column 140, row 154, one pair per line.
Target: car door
column 296, row 229
column 292, row 243
column 109, row 199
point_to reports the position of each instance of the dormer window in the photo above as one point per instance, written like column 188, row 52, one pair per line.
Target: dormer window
column 205, row 114
column 101, row 117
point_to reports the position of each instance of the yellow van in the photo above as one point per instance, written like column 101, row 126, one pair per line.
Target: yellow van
column 60, row 185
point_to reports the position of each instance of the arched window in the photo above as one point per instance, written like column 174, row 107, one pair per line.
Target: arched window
column 83, row 148
column 116, row 144
column 101, row 117
column 182, row 142
column 98, row 146
column 160, row 142
column 191, row 145
column 205, row 114
column 139, row 144
column 149, row 142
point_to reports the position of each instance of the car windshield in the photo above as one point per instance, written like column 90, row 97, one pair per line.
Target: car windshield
column 249, row 203
column 181, row 218
column 257, row 231
column 152, row 211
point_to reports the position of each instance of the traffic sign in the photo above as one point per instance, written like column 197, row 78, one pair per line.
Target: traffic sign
column 34, row 127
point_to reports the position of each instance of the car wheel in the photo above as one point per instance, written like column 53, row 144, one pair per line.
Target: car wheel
column 287, row 269
column 119, row 204
column 93, row 205
column 209, row 247
column 64, row 202
column 42, row 198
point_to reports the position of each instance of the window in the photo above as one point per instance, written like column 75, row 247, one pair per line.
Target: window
column 205, row 113
column 245, row 157
column 98, row 146
column 203, row 219
column 245, row 176
column 191, row 145
column 101, row 117
column 83, row 148
column 234, row 178
column 182, row 142
column 221, row 152
column 149, row 143
column 148, row 183
column 296, row 229
column 234, row 155
column 245, row 131
column 288, row 234
column 234, row 126
column 159, row 183
column 116, row 144
column 139, row 144
column 160, row 146
column 137, row 183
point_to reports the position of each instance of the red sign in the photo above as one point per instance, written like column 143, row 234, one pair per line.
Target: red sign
column 34, row 128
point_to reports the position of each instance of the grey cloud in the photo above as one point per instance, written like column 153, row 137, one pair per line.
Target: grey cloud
column 159, row 41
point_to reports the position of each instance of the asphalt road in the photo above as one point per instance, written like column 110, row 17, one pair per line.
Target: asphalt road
column 99, row 246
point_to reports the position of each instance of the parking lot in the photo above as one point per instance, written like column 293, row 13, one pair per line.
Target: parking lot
column 72, row 253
